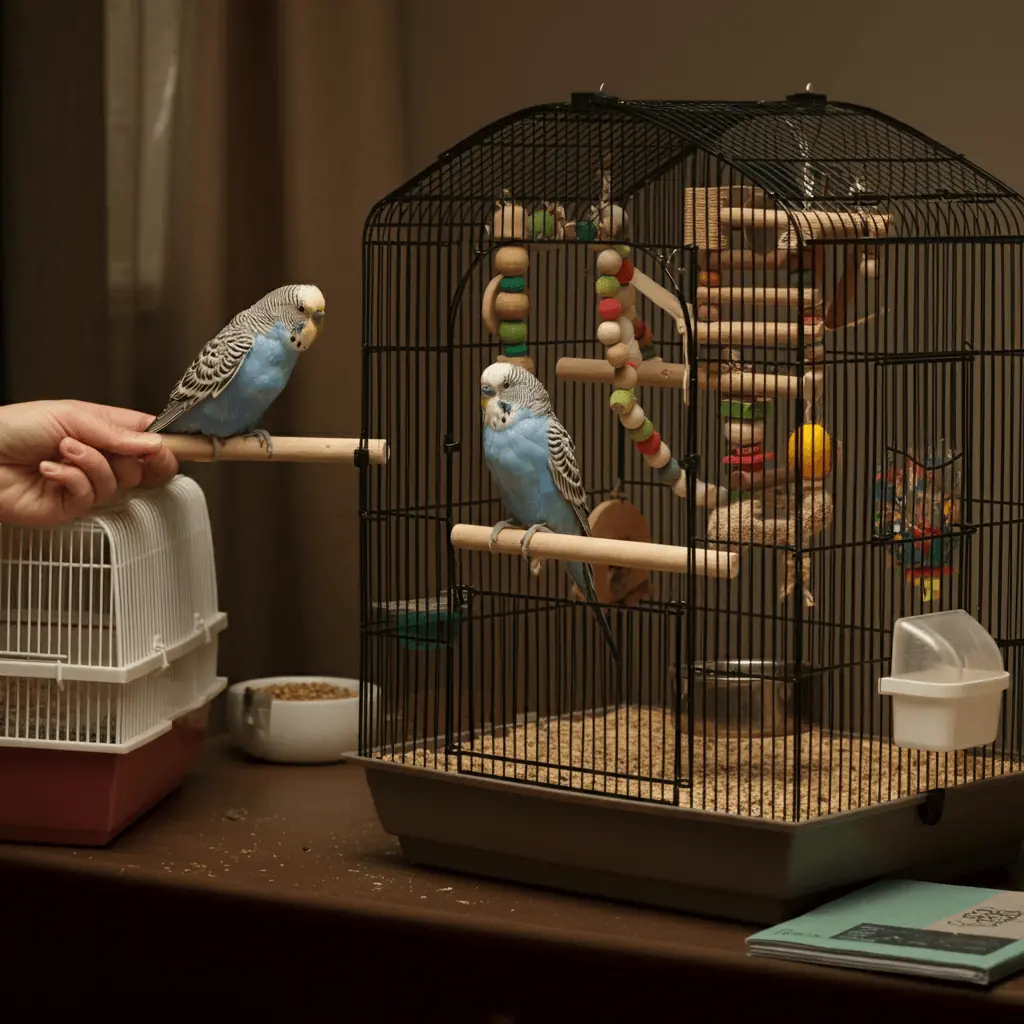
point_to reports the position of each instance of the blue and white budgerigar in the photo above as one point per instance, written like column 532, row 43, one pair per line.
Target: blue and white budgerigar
column 239, row 373
column 532, row 461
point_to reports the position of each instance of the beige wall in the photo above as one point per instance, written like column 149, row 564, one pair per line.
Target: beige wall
column 951, row 69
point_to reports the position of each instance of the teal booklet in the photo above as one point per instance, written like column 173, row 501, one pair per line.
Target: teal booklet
column 945, row 932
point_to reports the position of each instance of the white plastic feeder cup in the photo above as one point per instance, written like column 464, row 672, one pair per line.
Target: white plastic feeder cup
column 947, row 682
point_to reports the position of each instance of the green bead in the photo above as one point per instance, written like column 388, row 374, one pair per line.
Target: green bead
column 622, row 250
column 586, row 231
column 670, row 472
column 606, row 286
column 622, row 399
column 512, row 332
column 515, row 350
column 540, row 224
column 512, row 284
column 744, row 410
column 642, row 432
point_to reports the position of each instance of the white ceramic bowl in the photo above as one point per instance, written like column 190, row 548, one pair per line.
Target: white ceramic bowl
column 296, row 731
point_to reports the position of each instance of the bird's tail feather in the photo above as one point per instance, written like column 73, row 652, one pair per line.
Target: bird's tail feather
column 606, row 628
column 583, row 574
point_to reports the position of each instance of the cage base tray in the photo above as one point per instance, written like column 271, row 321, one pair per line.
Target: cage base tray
column 86, row 798
column 721, row 865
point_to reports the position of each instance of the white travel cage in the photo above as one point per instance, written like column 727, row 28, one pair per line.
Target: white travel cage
column 109, row 625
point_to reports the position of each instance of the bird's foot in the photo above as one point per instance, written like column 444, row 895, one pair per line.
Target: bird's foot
column 265, row 440
column 537, row 566
column 498, row 527
column 528, row 536
column 217, row 444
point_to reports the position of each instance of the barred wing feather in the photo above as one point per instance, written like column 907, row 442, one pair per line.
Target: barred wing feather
column 210, row 373
column 566, row 472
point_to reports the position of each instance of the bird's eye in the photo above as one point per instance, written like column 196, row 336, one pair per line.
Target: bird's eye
column 302, row 307
column 487, row 390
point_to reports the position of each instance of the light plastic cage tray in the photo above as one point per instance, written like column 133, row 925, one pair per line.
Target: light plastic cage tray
column 108, row 664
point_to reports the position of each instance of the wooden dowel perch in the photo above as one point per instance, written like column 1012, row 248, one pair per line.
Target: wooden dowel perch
column 656, row 374
column 810, row 223
column 757, row 332
column 601, row 551
column 747, row 259
column 748, row 385
column 194, row 448
column 652, row 373
column 758, row 296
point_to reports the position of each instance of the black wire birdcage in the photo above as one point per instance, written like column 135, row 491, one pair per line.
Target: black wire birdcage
column 785, row 338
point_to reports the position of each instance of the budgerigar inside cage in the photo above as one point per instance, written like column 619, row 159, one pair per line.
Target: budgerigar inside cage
column 784, row 341
column 108, row 663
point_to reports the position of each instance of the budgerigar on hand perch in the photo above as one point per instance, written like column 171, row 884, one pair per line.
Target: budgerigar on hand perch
column 532, row 461
column 238, row 374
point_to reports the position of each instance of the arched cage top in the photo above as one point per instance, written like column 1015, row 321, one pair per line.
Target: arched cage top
column 803, row 153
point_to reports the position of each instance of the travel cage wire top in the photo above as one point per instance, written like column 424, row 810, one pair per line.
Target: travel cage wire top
column 785, row 338
column 110, row 623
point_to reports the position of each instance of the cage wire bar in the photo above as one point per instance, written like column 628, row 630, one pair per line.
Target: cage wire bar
column 842, row 393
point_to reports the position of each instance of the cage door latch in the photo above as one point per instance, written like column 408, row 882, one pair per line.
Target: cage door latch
column 160, row 648
column 200, row 626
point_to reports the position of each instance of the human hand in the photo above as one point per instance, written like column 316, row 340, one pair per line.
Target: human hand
column 59, row 459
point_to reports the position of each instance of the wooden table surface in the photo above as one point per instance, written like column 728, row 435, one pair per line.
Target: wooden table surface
column 256, row 883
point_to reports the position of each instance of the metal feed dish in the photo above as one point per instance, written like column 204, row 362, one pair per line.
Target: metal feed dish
column 743, row 698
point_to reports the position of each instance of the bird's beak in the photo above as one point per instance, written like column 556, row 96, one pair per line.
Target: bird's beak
column 318, row 316
column 483, row 403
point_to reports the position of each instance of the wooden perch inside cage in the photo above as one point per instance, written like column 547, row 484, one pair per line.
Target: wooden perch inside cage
column 758, row 332
column 656, row 374
column 651, row 373
column 195, row 448
column 747, row 259
column 600, row 551
column 757, row 296
column 750, row 384
column 810, row 223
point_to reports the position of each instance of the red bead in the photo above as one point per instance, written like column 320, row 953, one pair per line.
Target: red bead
column 638, row 329
column 651, row 445
column 648, row 337
column 749, row 462
column 610, row 309
column 625, row 272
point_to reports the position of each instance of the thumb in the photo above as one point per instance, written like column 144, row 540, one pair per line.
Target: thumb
column 98, row 432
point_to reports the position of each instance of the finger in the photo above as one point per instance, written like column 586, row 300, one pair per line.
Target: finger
column 130, row 419
column 77, row 495
column 93, row 465
column 127, row 471
column 159, row 467
column 100, row 430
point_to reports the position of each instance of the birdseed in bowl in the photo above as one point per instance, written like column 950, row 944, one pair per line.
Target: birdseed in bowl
column 308, row 691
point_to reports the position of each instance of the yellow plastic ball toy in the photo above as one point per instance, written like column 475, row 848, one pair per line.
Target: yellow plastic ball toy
column 815, row 451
